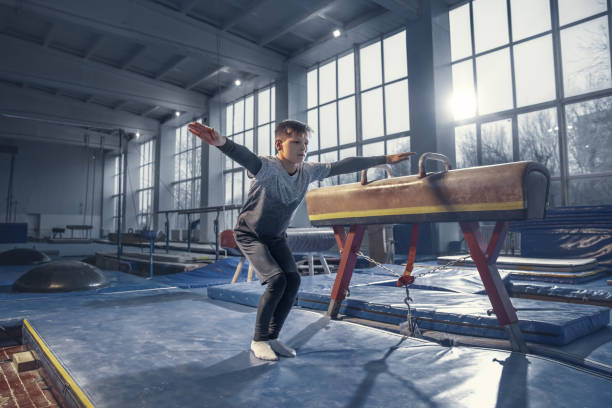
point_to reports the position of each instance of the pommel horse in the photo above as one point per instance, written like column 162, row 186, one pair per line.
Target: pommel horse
column 500, row 193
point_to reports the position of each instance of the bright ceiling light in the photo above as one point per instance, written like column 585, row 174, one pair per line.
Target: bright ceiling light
column 337, row 33
column 177, row 114
column 137, row 134
column 237, row 82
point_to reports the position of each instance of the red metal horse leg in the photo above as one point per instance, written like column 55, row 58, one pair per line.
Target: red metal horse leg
column 485, row 258
column 348, row 247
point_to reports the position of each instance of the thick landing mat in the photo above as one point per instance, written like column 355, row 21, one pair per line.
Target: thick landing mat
column 449, row 278
column 529, row 264
column 571, row 271
column 177, row 349
column 558, row 277
column 594, row 292
column 462, row 313
column 466, row 280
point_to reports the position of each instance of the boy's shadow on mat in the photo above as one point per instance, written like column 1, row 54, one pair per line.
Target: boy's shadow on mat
column 376, row 367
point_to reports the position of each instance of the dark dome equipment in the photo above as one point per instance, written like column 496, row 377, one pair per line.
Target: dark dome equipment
column 61, row 276
column 23, row 256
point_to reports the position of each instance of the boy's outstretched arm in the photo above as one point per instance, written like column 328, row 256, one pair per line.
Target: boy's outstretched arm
column 239, row 153
column 353, row 164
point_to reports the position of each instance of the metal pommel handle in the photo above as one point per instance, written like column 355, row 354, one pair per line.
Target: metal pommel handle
column 432, row 156
column 364, row 173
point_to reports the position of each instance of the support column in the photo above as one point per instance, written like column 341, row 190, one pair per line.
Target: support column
column 430, row 88
column 156, row 179
column 213, row 164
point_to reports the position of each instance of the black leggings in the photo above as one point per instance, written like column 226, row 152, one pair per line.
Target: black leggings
column 274, row 266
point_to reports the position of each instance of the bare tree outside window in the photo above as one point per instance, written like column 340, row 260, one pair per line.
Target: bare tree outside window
column 496, row 141
column 539, row 139
column 466, row 149
column 589, row 133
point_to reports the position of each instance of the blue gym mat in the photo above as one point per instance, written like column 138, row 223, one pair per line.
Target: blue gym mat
column 174, row 348
column 467, row 280
column 452, row 279
column 462, row 313
column 594, row 291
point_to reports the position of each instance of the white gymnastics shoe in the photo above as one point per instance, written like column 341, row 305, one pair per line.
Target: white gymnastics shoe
column 263, row 351
column 282, row 349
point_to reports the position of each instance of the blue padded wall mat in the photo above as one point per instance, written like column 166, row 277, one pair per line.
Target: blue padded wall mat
column 218, row 273
column 461, row 313
column 13, row 232
column 183, row 350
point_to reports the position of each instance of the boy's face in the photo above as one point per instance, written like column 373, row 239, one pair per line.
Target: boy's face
column 293, row 148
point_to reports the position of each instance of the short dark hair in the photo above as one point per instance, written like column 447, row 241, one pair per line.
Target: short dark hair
column 288, row 126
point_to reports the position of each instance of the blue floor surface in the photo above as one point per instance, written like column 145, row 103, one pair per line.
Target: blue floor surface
column 145, row 343
column 177, row 349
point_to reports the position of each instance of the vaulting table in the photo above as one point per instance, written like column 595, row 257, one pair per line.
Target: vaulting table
column 500, row 193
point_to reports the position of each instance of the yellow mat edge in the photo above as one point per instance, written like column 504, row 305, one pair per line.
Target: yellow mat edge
column 56, row 364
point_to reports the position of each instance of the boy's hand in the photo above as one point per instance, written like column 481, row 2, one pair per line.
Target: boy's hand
column 396, row 158
column 207, row 134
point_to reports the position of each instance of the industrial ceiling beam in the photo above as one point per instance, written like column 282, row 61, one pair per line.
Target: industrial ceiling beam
column 120, row 105
column 38, row 65
column 206, row 77
column 316, row 7
column 21, row 129
column 136, row 52
column 149, row 111
column 348, row 27
column 49, row 35
column 188, row 6
column 337, row 23
column 148, row 23
column 170, row 66
column 250, row 8
column 97, row 42
column 35, row 105
column 400, row 6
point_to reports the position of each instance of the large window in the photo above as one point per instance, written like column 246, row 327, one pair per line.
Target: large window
column 531, row 82
column 145, row 184
column 336, row 101
column 249, row 121
column 187, row 173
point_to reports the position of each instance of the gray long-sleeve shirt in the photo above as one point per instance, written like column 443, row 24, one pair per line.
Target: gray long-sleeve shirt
column 274, row 194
